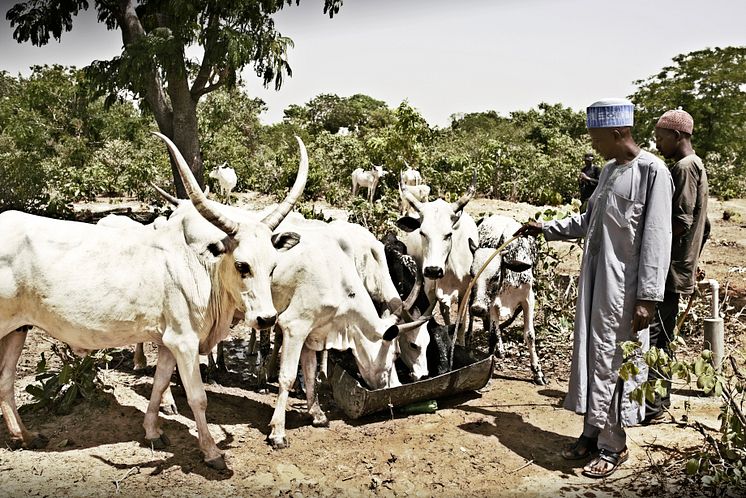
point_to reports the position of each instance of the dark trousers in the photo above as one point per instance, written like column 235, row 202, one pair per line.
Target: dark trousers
column 661, row 334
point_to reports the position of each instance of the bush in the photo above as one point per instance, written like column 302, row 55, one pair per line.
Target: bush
column 78, row 378
column 726, row 177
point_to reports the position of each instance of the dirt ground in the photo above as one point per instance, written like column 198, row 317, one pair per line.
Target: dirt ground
column 501, row 441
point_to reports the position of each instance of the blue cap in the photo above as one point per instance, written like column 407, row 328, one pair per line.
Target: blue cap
column 610, row 113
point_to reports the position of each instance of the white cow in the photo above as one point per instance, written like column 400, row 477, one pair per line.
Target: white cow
column 227, row 180
column 367, row 179
column 505, row 284
column 178, row 286
column 125, row 222
column 323, row 305
column 442, row 241
column 410, row 176
column 369, row 257
column 419, row 192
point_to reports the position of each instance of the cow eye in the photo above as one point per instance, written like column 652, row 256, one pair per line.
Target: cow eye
column 414, row 346
column 448, row 236
column 243, row 268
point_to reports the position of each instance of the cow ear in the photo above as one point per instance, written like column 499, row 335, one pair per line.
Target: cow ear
column 408, row 224
column 473, row 246
column 391, row 333
column 220, row 247
column 216, row 248
column 285, row 240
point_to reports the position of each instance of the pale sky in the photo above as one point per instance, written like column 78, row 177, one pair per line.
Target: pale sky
column 452, row 56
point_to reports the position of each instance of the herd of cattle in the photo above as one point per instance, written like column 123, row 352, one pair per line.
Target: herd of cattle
column 183, row 281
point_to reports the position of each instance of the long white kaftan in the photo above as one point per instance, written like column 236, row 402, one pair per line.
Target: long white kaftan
column 628, row 246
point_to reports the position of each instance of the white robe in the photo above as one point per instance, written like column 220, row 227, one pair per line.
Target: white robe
column 634, row 249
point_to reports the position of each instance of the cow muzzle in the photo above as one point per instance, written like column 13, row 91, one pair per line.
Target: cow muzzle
column 478, row 310
column 434, row 272
column 265, row 322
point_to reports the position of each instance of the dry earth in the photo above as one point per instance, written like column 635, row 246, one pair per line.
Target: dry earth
column 502, row 441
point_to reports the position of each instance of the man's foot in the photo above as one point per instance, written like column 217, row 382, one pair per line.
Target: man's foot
column 605, row 463
column 584, row 447
column 653, row 417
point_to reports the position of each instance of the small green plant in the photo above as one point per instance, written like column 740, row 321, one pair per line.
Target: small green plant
column 719, row 465
column 378, row 217
column 555, row 294
column 58, row 390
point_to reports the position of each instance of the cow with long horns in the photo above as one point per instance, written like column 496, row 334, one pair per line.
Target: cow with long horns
column 178, row 286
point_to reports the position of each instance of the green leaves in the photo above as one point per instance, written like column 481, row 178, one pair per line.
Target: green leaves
column 710, row 84
column 59, row 390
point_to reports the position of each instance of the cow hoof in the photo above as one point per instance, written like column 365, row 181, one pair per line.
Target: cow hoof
column 320, row 422
column 540, row 380
column 278, row 443
column 217, row 463
column 169, row 409
column 15, row 444
column 37, row 442
column 159, row 443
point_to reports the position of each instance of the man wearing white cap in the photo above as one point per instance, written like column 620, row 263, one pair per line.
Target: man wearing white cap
column 689, row 224
column 627, row 227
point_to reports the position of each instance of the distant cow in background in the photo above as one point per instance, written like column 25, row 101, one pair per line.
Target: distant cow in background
column 505, row 285
column 419, row 192
column 227, row 180
column 367, row 179
column 410, row 176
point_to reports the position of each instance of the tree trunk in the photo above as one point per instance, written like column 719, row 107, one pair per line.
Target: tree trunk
column 186, row 137
column 176, row 119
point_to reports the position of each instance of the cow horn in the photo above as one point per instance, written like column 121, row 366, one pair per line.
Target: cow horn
column 405, row 327
column 170, row 198
column 198, row 198
column 275, row 217
column 464, row 199
column 412, row 297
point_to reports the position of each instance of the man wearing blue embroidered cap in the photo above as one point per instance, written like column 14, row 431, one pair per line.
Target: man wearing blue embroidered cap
column 627, row 227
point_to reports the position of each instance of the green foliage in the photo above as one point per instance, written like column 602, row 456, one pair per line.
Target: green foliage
column 555, row 296
column 710, row 84
column 726, row 175
column 379, row 217
column 719, row 465
column 59, row 143
column 59, row 390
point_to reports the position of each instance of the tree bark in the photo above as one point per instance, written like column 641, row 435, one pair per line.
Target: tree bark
column 176, row 115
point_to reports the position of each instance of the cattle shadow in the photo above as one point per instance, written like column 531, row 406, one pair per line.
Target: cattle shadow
column 116, row 424
column 533, row 443
column 445, row 402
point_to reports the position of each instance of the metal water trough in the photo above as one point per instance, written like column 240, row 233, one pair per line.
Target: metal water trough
column 356, row 401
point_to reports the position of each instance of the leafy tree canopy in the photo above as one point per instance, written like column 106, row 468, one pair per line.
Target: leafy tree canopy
column 331, row 112
column 153, row 65
column 710, row 85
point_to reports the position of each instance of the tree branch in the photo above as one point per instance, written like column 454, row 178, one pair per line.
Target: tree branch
column 132, row 31
column 205, row 70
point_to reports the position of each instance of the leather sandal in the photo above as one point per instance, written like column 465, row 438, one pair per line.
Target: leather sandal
column 584, row 447
column 604, row 455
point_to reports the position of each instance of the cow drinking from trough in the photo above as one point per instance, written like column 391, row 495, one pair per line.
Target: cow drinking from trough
column 367, row 179
column 505, row 286
column 178, row 286
column 323, row 304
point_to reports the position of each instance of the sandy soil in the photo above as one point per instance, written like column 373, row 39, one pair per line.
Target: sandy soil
column 501, row 441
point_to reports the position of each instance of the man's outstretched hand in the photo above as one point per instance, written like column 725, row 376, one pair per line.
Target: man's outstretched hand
column 532, row 228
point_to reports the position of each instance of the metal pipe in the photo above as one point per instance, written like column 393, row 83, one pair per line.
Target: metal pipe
column 714, row 333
